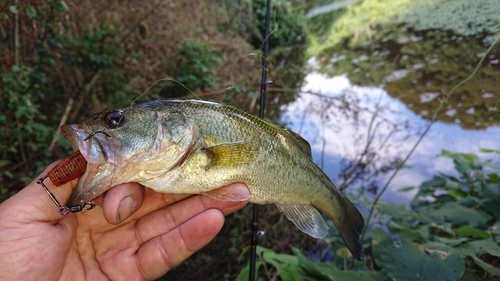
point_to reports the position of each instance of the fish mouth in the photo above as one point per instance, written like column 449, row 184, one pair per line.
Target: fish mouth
column 95, row 147
column 72, row 135
column 96, row 150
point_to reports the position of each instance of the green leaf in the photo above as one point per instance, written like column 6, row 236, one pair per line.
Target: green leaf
column 470, row 276
column 433, row 184
column 490, row 198
column 464, row 162
column 8, row 174
column 395, row 210
column 486, row 266
column 493, row 178
column 450, row 241
column 439, row 246
column 467, row 231
column 487, row 150
column 421, row 233
column 461, row 215
column 406, row 188
column 13, row 9
column 314, row 270
column 4, row 162
column 327, row 271
column 486, row 246
column 285, row 264
column 31, row 12
column 445, row 227
column 60, row 6
column 402, row 260
column 243, row 276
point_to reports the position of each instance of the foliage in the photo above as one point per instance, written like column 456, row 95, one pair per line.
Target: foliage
column 287, row 26
column 450, row 231
column 195, row 66
column 24, row 124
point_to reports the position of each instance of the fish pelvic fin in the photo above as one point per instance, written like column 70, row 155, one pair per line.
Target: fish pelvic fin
column 350, row 226
column 306, row 218
column 227, row 193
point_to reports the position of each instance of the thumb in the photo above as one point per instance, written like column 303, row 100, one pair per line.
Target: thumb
column 34, row 202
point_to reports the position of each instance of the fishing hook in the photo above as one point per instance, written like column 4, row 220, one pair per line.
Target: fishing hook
column 94, row 133
column 64, row 210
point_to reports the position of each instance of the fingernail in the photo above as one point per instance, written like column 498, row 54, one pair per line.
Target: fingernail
column 125, row 208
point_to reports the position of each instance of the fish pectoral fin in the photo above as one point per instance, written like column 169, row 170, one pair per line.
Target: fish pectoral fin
column 231, row 155
column 306, row 218
column 228, row 194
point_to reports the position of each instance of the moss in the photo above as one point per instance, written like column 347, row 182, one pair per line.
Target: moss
column 463, row 17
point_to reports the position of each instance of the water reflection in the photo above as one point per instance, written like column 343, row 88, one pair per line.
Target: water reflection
column 418, row 67
column 359, row 133
column 380, row 70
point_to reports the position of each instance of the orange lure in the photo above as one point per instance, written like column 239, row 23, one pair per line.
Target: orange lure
column 70, row 168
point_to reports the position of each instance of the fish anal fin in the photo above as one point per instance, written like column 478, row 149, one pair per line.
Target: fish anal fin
column 228, row 194
column 306, row 218
column 231, row 155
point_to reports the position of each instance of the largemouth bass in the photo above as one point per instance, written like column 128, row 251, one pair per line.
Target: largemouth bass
column 197, row 147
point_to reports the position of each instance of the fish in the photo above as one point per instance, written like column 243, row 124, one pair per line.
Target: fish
column 199, row 147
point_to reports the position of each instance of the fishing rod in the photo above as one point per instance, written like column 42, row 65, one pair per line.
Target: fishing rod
column 255, row 217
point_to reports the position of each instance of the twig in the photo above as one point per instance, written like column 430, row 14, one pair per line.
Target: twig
column 62, row 122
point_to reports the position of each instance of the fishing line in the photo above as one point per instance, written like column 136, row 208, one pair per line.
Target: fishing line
column 255, row 218
column 161, row 80
column 237, row 62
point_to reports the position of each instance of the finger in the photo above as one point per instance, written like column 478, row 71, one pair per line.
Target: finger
column 33, row 201
column 122, row 201
column 166, row 219
column 155, row 201
column 159, row 255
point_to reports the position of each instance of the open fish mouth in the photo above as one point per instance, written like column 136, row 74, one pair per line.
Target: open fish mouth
column 95, row 147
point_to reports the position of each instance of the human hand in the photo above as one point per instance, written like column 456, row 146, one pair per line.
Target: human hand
column 120, row 241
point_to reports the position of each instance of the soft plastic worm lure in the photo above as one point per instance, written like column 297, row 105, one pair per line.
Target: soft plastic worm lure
column 65, row 171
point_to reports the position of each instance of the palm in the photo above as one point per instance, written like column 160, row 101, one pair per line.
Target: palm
column 37, row 243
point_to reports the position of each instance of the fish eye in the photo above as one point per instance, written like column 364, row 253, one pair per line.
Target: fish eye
column 114, row 119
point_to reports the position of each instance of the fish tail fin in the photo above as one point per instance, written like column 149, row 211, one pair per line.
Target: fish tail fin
column 350, row 228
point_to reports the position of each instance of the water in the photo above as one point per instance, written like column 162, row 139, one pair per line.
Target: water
column 335, row 116
column 379, row 71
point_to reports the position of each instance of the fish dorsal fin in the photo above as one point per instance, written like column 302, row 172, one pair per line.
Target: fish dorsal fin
column 301, row 142
column 231, row 155
column 306, row 218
